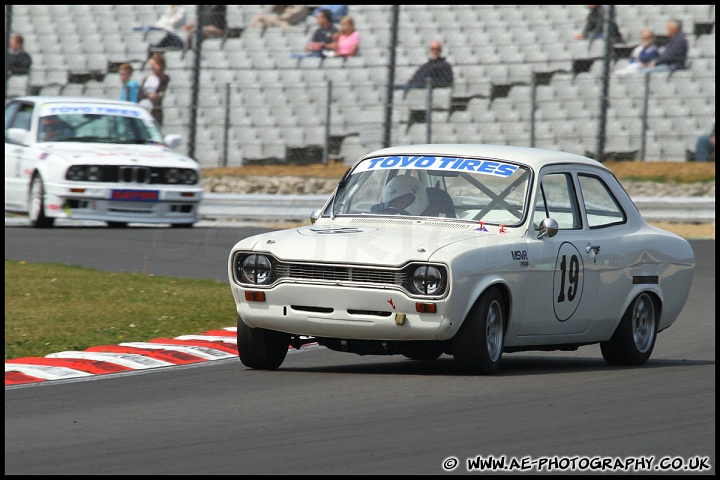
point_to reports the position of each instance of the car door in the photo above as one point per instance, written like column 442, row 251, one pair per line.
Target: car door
column 17, row 115
column 562, row 289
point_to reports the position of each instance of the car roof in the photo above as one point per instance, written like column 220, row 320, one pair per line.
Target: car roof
column 71, row 99
column 533, row 157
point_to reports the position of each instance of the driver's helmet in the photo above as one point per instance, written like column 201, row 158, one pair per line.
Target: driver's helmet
column 407, row 193
column 53, row 128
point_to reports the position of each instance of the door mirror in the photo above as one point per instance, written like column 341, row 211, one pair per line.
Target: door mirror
column 548, row 227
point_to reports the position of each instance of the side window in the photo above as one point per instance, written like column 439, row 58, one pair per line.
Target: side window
column 10, row 110
column 601, row 206
column 22, row 118
column 556, row 199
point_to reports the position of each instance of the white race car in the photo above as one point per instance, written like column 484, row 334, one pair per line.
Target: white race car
column 467, row 250
column 95, row 159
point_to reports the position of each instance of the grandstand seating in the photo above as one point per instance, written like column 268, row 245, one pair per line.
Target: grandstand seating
column 277, row 102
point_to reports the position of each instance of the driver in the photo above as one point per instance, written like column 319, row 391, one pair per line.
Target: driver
column 52, row 128
column 405, row 193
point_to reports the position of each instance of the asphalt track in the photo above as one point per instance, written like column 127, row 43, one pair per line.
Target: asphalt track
column 326, row 412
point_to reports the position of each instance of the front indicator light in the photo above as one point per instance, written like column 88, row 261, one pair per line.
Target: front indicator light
column 425, row 307
column 254, row 296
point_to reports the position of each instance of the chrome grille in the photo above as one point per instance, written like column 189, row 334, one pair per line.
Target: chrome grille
column 134, row 174
column 337, row 273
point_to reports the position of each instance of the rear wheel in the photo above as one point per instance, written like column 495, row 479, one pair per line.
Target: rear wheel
column 261, row 349
column 634, row 339
column 478, row 345
column 36, row 205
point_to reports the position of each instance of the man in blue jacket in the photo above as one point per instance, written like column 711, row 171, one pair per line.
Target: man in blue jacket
column 674, row 55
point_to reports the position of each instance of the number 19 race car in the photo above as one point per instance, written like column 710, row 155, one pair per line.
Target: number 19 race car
column 95, row 159
column 466, row 250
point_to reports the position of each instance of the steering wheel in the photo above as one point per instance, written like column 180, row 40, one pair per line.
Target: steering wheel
column 394, row 211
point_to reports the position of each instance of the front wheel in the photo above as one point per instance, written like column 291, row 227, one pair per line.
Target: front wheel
column 478, row 345
column 36, row 205
column 634, row 339
column 261, row 349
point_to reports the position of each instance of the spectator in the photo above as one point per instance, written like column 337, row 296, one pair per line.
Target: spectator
column 19, row 61
column 130, row 88
column 674, row 55
column 322, row 40
column 347, row 41
column 153, row 87
column 214, row 23
column 437, row 69
column 338, row 11
column 705, row 145
column 280, row 16
column 641, row 55
column 594, row 26
column 172, row 21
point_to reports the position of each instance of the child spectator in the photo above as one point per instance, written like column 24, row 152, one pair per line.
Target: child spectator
column 130, row 88
column 153, row 87
column 347, row 41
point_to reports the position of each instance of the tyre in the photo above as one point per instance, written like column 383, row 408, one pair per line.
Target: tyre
column 261, row 349
column 36, row 205
column 478, row 345
column 634, row 339
column 117, row 224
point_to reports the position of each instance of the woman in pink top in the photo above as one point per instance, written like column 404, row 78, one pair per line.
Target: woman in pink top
column 347, row 40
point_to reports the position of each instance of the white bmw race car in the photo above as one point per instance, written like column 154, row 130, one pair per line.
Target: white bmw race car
column 467, row 250
column 95, row 159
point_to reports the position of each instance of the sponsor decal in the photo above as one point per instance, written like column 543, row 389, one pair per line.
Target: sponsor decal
column 487, row 167
column 135, row 195
column 59, row 109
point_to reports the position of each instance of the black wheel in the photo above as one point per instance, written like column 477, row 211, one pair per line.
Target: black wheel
column 261, row 349
column 36, row 205
column 478, row 345
column 117, row 224
column 427, row 353
column 181, row 225
column 634, row 339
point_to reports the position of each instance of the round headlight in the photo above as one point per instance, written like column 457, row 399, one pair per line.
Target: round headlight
column 94, row 174
column 256, row 269
column 427, row 280
column 189, row 177
column 75, row 173
column 172, row 175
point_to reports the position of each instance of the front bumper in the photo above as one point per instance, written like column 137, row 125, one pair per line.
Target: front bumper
column 342, row 312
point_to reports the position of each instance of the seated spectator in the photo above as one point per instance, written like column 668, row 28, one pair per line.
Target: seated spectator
column 338, row 11
column 673, row 55
column 153, row 87
column 641, row 55
column 594, row 26
column 214, row 23
column 282, row 16
column 130, row 88
column 705, row 145
column 172, row 21
column 347, row 41
column 322, row 39
column 19, row 61
column 437, row 69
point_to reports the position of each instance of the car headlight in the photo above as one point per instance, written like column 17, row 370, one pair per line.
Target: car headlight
column 172, row 175
column 427, row 280
column 76, row 173
column 189, row 177
column 94, row 174
column 256, row 269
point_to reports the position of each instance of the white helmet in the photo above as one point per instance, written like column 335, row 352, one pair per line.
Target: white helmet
column 405, row 185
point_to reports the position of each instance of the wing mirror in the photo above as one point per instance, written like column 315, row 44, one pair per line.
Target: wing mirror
column 173, row 140
column 548, row 227
column 314, row 215
column 18, row 135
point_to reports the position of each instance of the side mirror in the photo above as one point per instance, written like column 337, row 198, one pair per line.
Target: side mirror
column 173, row 140
column 548, row 227
column 18, row 135
column 315, row 214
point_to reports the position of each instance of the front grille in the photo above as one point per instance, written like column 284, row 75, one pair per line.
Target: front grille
column 134, row 174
